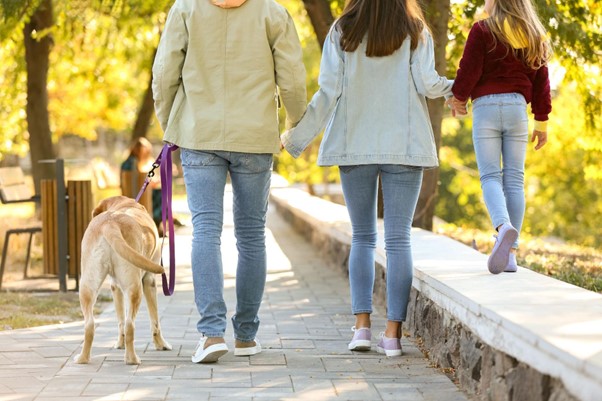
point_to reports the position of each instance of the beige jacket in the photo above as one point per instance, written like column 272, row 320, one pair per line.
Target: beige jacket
column 218, row 71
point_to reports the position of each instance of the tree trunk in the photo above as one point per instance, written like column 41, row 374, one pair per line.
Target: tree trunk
column 37, row 53
column 146, row 111
column 320, row 16
column 437, row 13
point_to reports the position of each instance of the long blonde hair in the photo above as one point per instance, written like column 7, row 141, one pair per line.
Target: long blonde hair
column 521, row 17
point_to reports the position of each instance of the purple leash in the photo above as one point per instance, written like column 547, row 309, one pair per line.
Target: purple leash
column 164, row 161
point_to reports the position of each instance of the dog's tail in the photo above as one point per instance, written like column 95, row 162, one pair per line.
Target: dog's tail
column 114, row 237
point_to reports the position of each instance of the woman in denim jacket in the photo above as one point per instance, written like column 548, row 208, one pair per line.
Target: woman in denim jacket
column 377, row 68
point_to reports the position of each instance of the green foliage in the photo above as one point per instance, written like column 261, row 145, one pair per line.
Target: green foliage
column 13, row 13
column 304, row 169
column 100, row 66
column 13, row 98
column 104, row 64
column 564, row 179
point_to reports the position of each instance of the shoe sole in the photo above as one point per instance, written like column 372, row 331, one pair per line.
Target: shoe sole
column 498, row 260
column 389, row 352
column 211, row 354
column 360, row 345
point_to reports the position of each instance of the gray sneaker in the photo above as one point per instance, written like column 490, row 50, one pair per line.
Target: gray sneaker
column 498, row 260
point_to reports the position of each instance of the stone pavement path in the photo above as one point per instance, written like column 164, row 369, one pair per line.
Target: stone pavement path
column 305, row 327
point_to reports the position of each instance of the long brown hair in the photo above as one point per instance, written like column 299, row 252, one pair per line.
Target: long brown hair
column 520, row 15
column 386, row 22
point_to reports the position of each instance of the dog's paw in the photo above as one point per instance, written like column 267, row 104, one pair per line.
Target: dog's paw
column 132, row 360
column 163, row 346
column 81, row 359
column 120, row 344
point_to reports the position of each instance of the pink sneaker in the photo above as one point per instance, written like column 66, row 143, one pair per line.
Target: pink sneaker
column 511, row 267
column 361, row 340
column 389, row 346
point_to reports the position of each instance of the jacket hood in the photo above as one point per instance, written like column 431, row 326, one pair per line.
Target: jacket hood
column 516, row 38
column 228, row 3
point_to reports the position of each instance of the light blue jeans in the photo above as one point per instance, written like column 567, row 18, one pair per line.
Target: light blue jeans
column 401, row 186
column 205, row 178
column 500, row 135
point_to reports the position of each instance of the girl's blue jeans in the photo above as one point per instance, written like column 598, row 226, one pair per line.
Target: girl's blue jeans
column 401, row 186
column 205, row 175
column 500, row 135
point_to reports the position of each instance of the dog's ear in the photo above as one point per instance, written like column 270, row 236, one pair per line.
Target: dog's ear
column 98, row 209
column 103, row 206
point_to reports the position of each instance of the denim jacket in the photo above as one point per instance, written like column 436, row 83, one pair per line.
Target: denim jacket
column 374, row 108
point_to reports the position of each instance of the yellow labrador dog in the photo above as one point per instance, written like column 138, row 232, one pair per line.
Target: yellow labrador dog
column 121, row 242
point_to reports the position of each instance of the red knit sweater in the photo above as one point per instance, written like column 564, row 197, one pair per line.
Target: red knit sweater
column 488, row 67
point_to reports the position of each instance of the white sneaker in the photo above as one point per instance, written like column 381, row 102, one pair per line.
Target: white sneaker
column 248, row 351
column 210, row 354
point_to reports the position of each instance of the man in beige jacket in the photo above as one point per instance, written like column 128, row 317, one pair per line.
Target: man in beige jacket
column 220, row 70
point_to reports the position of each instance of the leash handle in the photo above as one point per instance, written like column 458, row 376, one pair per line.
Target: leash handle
column 167, row 215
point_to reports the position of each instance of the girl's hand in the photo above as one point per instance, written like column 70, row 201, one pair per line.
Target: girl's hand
column 542, row 138
column 458, row 107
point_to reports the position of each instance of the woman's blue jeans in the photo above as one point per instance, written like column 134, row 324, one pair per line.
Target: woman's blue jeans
column 500, row 135
column 401, row 186
column 205, row 175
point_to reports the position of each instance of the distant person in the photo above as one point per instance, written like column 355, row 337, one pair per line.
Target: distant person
column 140, row 159
column 216, row 78
column 503, row 68
column 378, row 64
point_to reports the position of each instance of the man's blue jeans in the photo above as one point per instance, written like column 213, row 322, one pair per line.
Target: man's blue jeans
column 205, row 175
column 401, row 186
column 500, row 135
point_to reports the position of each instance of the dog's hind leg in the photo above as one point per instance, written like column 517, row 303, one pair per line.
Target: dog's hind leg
column 134, row 294
column 87, row 298
column 120, row 312
column 150, row 294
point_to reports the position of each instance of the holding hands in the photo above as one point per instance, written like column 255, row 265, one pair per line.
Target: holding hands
column 458, row 107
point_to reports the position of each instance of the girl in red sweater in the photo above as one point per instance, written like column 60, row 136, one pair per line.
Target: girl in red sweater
column 504, row 68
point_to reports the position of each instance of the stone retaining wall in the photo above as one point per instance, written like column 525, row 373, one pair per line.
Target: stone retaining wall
column 482, row 370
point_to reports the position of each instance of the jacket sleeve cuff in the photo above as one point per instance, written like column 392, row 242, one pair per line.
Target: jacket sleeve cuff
column 541, row 126
column 460, row 97
column 291, row 148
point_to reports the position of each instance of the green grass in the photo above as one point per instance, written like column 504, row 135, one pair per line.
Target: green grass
column 27, row 309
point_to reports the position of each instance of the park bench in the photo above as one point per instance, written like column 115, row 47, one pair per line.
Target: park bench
column 13, row 189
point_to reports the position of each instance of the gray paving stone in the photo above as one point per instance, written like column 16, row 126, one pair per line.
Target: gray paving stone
column 305, row 327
